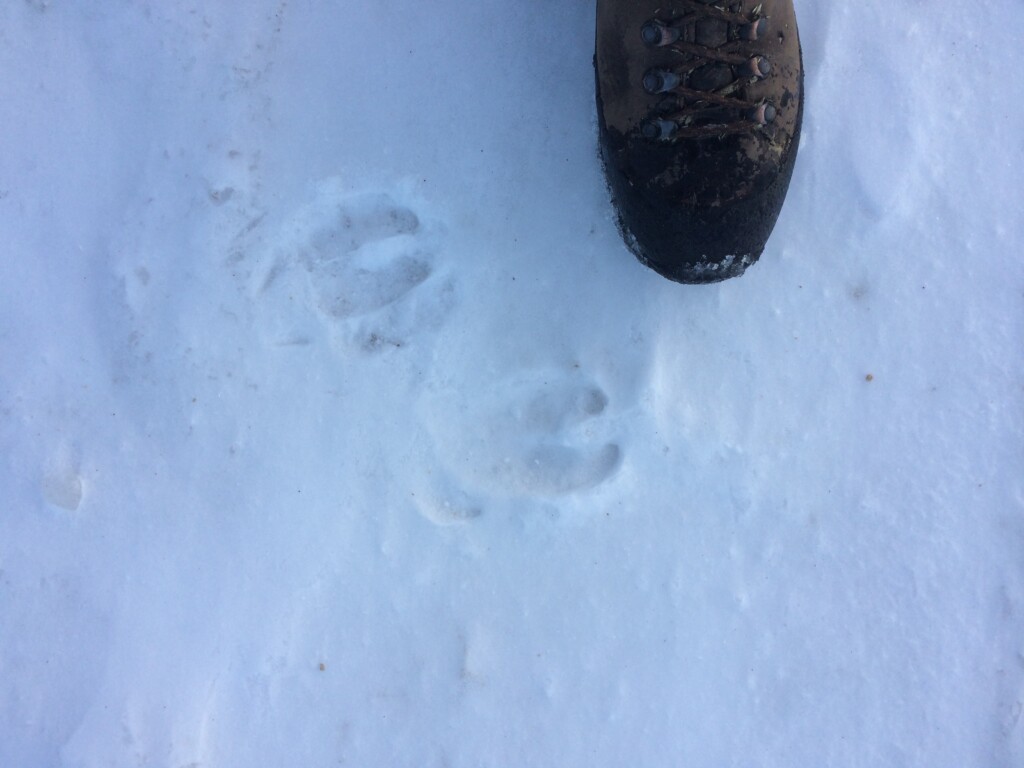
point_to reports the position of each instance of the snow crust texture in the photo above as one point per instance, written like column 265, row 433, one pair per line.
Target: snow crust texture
column 339, row 427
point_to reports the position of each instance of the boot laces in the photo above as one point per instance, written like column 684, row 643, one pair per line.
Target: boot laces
column 702, row 94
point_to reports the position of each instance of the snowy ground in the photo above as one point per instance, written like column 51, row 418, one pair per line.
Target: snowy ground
column 337, row 426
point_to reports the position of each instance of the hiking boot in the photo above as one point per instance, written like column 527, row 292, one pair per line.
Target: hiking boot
column 699, row 104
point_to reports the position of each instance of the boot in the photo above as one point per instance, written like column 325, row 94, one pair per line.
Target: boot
column 699, row 106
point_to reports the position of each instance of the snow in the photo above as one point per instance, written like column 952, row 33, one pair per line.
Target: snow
column 339, row 427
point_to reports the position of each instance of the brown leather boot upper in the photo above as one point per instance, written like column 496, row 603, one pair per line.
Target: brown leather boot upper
column 699, row 106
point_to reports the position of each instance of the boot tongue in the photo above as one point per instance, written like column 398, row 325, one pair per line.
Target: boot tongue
column 711, row 77
column 711, row 33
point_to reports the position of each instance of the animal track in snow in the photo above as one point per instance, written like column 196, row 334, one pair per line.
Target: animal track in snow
column 541, row 435
column 365, row 257
column 366, row 265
